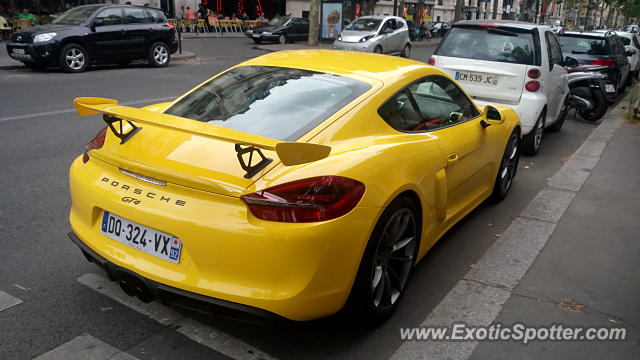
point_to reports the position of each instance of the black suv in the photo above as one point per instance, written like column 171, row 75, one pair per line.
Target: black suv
column 280, row 29
column 96, row 33
column 605, row 49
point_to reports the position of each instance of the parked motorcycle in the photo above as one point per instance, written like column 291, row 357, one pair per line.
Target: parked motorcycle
column 587, row 89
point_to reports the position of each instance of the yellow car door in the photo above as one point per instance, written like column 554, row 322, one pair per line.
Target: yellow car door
column 469, row 148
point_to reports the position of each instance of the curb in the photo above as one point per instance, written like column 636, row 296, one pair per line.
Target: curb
column 185, row 56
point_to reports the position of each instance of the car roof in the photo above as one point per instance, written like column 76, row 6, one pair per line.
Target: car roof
column 516, row 24
column 590, row 33
column 381, row 17
column 360, row 65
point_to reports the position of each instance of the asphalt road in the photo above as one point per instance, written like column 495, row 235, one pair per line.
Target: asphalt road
column 40, row 136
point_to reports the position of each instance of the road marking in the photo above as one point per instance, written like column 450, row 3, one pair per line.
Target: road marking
column 68, row 111
column 478, row 298
column 196, row 331
column 7, row 301
column 85, row 347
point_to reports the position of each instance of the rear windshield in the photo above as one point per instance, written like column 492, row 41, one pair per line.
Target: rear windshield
column 583, row 45
column 364, row 25
column 275, row 102
column 493, row 44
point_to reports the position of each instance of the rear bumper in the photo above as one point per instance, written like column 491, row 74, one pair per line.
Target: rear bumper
column 366, row 46
column 300, row 271
column 147, row 290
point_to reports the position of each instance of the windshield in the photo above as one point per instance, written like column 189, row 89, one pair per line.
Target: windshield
column 364, row 25
column 275, row 102
column 278, row 21
column 583, row 45
column 493, row 44
column 75, row 16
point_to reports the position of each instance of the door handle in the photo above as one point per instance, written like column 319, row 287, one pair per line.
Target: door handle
column 452, row 159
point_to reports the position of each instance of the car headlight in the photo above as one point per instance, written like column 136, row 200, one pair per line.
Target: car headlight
column 44, row 37
column 266, row 33
column 366, row 38
column 339, row 37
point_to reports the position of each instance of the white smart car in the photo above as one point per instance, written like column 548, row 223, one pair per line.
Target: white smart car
column 509, row 63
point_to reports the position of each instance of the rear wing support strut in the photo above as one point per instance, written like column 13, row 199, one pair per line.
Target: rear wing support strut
column 120, row 134
column 246, row 165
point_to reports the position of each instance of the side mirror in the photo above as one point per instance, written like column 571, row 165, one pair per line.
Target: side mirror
column 571, row 61
column 97, row 22
column 491, row 117
column 629, row 51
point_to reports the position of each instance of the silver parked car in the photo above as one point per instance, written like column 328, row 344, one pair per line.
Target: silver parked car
column 378, row 34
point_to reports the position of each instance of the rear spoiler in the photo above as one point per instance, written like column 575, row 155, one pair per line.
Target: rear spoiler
column 290, row 153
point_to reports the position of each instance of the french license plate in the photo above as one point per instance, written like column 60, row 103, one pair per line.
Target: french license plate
column 476, row 78
column 609, row 88
column 148, row 240
column 256, row 35
column 18, row 51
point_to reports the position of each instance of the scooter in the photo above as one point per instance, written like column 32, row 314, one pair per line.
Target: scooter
column 587, row 90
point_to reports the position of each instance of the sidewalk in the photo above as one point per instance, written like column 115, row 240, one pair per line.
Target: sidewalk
column 571, row 258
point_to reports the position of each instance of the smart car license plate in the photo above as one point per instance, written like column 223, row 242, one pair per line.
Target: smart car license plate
column 18, row 51
column 609, row 88
column 256, row 35
column 154, row 242
column 477, row 78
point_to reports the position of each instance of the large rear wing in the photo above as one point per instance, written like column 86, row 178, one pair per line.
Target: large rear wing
column 290, row 153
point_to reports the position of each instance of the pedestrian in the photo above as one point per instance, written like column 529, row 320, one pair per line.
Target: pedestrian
column 27, row 15
column 180, row 13
column 190, row 14
column 203, row 11
column 245, row 17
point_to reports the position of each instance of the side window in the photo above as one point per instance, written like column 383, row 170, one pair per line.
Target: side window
column 136, row 16
column 553, row 47
column 636, row 43
column 155, row 16
column 111, row 16
column 429, row 104
column 399, row 24
column 390, row 24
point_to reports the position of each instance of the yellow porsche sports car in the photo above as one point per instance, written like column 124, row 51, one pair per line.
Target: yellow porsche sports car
column 292, row 185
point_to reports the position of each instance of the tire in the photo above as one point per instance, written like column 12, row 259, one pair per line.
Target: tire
column 406, row 52
column 508, row 168
column 600, row 109
column 282, row 39
column 377, row 50
column 562, row 116
column 257, row 41
column 73, row 58
column 532, row 142
column 159, row 55
column 370, row 301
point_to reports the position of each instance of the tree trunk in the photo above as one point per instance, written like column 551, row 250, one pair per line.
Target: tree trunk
column 314, row 22
column 602, row 12
column 457, row 15
column 495, row 9
column 586, row 21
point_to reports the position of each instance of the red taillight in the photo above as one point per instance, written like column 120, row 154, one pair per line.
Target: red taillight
column 532, row 86
column 95, row 143
column 314, row 199
column 431, row 61
column 604, row 62
column 533, row 73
